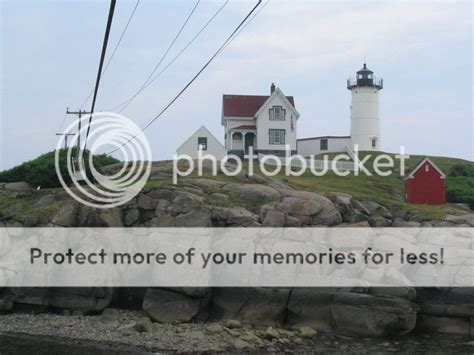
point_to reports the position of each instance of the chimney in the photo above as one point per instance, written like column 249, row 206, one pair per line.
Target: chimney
column 272, row 88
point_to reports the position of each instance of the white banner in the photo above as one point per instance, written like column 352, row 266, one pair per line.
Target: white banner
column 214, row 257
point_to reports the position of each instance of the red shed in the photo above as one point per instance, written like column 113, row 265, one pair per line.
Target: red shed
column 426, row 184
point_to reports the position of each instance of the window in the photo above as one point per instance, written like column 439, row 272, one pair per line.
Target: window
column 427, row 167
column 374, row 142
column 277, row 113
column 277, row 136
column 237, row 136
column 202, row 143
column 323, row 144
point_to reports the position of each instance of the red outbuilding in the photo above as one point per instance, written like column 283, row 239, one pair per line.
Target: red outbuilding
column 426, row 184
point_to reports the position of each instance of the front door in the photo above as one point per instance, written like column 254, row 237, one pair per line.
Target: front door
column 249, row 141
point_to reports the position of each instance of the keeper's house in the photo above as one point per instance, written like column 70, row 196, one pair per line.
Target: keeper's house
column 426, row 184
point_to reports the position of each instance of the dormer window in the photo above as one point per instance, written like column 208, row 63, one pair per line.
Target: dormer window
column 277, row 113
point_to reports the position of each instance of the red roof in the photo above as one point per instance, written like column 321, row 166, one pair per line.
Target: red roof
column 245, row 105
column 245, row 126
column 323, row 137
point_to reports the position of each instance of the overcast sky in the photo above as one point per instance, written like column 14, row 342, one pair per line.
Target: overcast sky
column 423, row 50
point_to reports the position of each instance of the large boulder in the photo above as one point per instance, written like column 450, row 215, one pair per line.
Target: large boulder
column 350, row 313
column 167, row 306
column 253, row 192
column 256, row 305
column 18, row 186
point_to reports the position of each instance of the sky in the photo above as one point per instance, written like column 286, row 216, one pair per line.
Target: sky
column 422, row 49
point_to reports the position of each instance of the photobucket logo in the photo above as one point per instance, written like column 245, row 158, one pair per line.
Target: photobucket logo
column 342, row 164
column 76, row 170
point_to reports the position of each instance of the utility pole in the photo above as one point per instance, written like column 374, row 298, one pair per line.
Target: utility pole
column 66, row 135
column 79, row 115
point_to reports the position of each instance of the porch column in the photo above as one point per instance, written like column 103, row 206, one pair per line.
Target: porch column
column 243, row 140
column 231, row 138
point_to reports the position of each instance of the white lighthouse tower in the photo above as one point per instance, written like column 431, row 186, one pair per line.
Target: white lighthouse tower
column 365, row 128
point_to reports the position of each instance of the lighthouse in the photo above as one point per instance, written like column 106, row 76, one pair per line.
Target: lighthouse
column 365, row 123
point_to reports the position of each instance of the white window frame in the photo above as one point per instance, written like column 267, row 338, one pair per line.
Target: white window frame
column 281, row 116
column 276, row 136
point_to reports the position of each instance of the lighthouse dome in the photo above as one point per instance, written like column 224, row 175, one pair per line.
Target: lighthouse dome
column 365, row 70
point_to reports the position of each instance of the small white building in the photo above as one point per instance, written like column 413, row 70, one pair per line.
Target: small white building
column 266, row 123
column 323, row 144
column 205, row 140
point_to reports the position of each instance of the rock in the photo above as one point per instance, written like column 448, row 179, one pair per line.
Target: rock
column 208, row 183
column 144, row 325
column 256, row 305
column 446, row 325
column 378, row 222
column 296, row 206
column 145, row 202
column 462, row 219
column 328, row 216
column 307, row 332
column 240, row 217
column 166, row 306
column 240, row 344
column 271, row 334
column 82, row 299
column 405, row 224
column 18, row 186
column 66, row 216
column 253, row 192
column 349, row 313
column 131, row 216
column 233, row 324
column 162, row 194
column 401, row 213
column 45, row 200
column 111, row 316
column 273, row 218
column 183, row 203
column 377, row 210
column 214, row 328
column 292, row 221
column 407, row 293
column 110, row 217
column 196, row 218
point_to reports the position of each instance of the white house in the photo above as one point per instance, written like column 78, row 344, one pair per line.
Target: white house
column 267, row 123
column 205, row 139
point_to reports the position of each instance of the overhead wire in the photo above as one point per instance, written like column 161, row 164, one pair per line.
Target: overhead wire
column 229, row 38
column 178, row 34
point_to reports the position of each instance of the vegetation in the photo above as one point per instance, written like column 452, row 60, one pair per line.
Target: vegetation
column 460, row 184
column 41, row 171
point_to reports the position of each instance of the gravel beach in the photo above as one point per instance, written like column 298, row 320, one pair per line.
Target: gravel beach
column 120, row 331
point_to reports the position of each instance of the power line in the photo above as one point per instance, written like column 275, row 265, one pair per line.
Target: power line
column 176, row 57
column 115, row 49
column 195, row 76
column 140, row 89
column 101, row 63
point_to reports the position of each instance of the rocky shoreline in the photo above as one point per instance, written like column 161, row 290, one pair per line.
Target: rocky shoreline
column 96, row 335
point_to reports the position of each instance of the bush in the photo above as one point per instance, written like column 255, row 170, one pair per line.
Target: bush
column 41, row 171
column 460, row 184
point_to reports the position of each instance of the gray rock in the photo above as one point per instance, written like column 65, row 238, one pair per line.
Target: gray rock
column 292, row 221
column 145, row 202
column 163, row 194
column 197, row 218
column 446, row 325
column 377, row 210
column 253, row 192
column 18, row 186
column 328, row 216
column 233, row 324
column 378, row 222
column 352, row 314
column 240, row 217
column 183, row 203
column 214, row 328
column 271, row 334
column 462, row 219
column 166, row 306
column 131, row 216
column 240, row 344
column 296, row 206
column 273, row 218
column 260, row 306
column 45, row 200
column 66, row 216
column 307, row 332
column 405, row 224
column 144, row 325
column 111, row 316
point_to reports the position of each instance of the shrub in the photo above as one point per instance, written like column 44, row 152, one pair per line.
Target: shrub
column 460, row 184
column 41, row 171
